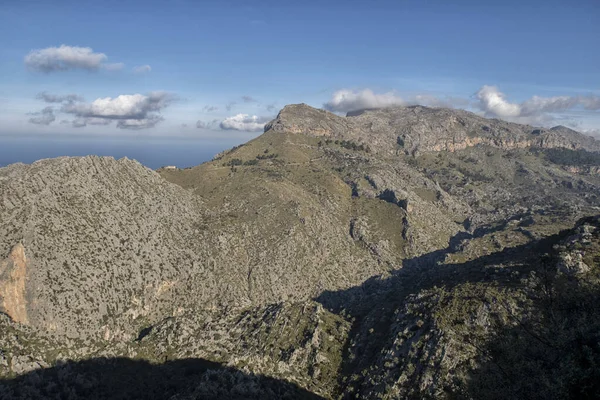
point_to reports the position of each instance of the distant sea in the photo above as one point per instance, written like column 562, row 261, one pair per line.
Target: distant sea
column 152, row 152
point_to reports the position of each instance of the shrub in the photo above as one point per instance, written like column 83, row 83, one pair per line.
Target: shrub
column 233, row 162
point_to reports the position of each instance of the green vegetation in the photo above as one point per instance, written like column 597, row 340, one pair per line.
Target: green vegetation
column 578, row 158
column 347, row 144
column 267, row 156
column 233, row 162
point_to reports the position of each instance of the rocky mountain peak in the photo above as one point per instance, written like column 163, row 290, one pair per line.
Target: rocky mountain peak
column 417, row 129
column 302, row 118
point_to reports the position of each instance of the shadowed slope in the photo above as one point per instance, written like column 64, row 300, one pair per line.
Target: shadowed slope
column 122, row 378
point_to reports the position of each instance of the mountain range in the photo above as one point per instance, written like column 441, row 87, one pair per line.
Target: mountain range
column 407, row 252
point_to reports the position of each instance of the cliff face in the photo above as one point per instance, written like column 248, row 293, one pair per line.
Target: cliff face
column 13, row 276
column 418, row 129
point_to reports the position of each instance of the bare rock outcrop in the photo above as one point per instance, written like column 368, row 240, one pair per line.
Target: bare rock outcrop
column 13, row 277
column 417, row 129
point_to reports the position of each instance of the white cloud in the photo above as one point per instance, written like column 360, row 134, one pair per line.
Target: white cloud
column 346, row 100
column 44, row 117
column 489, row 99
column 592, row 132
column 135, row 111
column 125, row 106
column 590, row 102
column 493, row 103
column 244, row 122
column 538, row 104
column 65, row 57
column 536, row 110
column 142, row 69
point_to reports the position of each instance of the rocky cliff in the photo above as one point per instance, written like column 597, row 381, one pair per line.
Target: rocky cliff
column 417, row 129
column 13, row 274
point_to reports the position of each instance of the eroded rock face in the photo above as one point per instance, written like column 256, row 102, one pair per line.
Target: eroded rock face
column 13, row 276
column 418, row 129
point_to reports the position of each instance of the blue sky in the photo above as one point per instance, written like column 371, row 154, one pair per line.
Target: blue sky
column 217, row 70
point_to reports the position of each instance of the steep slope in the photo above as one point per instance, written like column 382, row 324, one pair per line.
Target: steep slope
column 520, row 323
column 105, row 242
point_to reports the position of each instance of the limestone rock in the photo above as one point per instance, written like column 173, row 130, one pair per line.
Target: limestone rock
column 13, row 277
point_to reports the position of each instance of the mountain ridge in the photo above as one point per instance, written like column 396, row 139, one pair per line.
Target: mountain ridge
column 309, row 254
column 421, row 129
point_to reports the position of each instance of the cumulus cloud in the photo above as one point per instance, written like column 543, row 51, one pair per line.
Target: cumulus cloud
column 54, row 98
column 351, row 100
column 135, row 111
column 142, row 69
column 125, row 106
column 44, row 117
column 244, row 122
column 493, row 102
column 63, row 58
column 535, row 110
column 347, row 100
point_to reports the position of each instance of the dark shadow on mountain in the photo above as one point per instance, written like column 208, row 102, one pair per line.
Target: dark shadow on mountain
column 425, row 271
column 552, row 354
column 536, row 363
column 123, row 378
column 373, row 304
